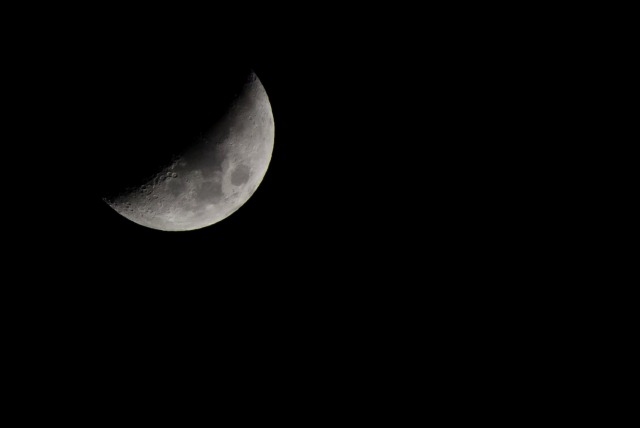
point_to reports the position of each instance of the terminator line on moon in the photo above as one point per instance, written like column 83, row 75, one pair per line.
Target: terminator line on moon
column 214, row 177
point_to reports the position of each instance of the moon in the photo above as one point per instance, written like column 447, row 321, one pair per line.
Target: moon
column 212, row 177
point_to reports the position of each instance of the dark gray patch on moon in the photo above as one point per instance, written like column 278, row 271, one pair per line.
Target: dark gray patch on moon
column 240, row 175
column 210, row 191
column 176, row 187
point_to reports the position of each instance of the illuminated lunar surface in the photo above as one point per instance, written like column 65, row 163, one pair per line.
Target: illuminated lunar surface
column 214, row 177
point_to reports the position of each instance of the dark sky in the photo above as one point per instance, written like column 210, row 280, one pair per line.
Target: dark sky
column 105, row 94
column 364, row 190
column 409, row 225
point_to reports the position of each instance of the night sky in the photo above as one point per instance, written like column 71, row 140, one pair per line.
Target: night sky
column 368, row 145
column 410, row 227
column 117, row 95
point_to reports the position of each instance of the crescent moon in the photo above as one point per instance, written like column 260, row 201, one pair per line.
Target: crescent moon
column 213, row 177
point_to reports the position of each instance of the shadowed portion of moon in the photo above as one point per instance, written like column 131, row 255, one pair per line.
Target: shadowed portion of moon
column 202, row 177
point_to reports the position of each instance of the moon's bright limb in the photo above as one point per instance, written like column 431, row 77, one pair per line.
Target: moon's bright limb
column 215, row 176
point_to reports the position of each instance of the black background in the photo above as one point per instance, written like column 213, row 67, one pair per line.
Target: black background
column 382, row 179
column 97, row 95
column 400, row 211
column 406, row 232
